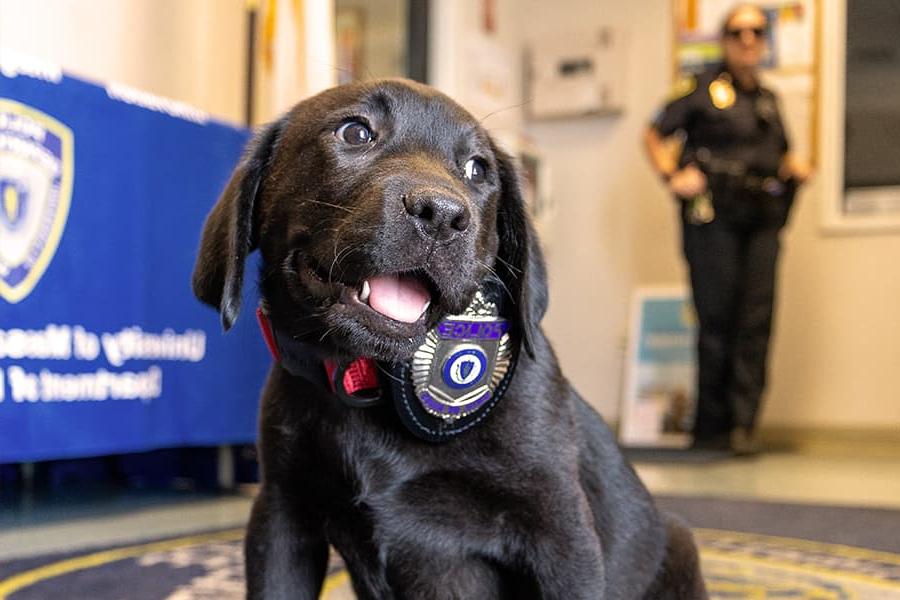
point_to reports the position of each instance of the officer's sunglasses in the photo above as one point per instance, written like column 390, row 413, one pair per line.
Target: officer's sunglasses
column 758, row 32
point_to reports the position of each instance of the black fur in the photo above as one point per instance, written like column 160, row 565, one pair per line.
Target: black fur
column 229, row 231
column 537, row 502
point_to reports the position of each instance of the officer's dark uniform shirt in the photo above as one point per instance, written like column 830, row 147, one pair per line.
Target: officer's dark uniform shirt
column 749, row 129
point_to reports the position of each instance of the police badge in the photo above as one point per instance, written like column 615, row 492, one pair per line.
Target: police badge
column 721, row 92
column 458, row 374
column 36, row 171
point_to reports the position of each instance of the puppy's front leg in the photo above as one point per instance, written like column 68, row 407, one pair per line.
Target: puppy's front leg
column 566, row 559
column 573, row 571
column 285, row 552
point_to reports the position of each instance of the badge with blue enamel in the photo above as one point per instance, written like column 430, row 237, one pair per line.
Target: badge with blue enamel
column 458, row 374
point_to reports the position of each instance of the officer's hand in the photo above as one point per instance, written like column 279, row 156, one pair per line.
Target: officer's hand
column 688, row 182
column 794, row 167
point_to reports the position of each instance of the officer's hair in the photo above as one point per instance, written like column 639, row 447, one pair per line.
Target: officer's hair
column 735, row 10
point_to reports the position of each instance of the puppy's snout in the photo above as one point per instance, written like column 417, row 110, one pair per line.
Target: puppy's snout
column 437, row 215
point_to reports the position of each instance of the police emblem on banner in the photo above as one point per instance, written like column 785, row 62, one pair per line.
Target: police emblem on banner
column 36, row 172
column 463, row 360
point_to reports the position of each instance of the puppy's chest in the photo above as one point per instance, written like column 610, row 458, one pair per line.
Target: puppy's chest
column 453, row 490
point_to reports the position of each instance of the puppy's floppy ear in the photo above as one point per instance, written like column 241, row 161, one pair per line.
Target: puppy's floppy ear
column 228, row 235
column 520, row 260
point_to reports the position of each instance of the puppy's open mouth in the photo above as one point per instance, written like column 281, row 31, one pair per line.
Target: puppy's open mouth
column 401, row 297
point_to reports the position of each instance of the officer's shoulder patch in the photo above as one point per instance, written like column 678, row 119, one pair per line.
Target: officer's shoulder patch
column 683, row 86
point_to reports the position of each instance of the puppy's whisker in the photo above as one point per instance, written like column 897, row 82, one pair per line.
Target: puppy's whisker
column 496, row 278
column 344, row 253
column 335, row 252
column 337, row 206
column 344, row 70
column 513, row 270
column 327, row 332
column 504, row 109
column 388, row 373
column 490, row 269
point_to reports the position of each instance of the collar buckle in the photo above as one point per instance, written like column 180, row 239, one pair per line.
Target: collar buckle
column 356, row 384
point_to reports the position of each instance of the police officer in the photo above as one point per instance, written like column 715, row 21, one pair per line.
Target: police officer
column 735, row 178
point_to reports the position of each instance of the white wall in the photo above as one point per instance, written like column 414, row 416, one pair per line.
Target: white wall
column 191, row 51
column 463, row 57
column 836, row 356
column 612, row 228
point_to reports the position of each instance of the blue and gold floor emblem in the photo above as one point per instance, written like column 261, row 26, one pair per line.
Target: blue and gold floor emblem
column 736, row 566
column 743, row 566
column 36, row 172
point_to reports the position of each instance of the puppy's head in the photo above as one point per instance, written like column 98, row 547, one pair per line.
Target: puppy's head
column 378, row 209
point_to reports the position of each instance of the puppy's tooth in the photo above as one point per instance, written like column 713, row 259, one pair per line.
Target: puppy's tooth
column 364, row 294
column 425, row 308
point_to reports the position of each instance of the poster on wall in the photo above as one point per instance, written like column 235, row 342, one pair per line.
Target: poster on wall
column 658, row 402
column 790, row 67
column 103, row 348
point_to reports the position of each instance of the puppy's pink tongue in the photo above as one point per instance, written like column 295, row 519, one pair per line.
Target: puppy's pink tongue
column 400, row 297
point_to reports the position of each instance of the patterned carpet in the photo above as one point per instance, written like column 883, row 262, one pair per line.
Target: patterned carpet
column 736, row 564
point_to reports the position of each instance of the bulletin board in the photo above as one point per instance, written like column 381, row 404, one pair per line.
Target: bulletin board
column 791, row 67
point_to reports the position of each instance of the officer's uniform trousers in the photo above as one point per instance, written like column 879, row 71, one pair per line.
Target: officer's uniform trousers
column 732, row 270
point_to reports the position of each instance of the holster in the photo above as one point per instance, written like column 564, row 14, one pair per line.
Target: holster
column 751, row 201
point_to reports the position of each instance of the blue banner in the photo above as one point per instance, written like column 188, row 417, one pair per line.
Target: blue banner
column 103, row 348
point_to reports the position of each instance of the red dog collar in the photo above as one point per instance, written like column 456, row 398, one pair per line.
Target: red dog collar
column 357, row 384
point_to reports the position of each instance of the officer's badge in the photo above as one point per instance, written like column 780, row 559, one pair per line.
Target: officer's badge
column 463, row 360
column 36, row 171
column 722, row 93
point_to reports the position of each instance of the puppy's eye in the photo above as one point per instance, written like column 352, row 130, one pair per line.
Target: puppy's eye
column 476, row 170
column 354, row 133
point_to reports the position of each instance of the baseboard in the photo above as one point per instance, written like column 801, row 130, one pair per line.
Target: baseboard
column 870, row 442
column 833, row 440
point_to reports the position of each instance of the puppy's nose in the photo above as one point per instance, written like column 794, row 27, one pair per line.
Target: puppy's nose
column 437, row 215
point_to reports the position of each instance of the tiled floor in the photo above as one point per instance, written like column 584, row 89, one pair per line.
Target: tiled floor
column 39, row 529
column 824, row 476
column 784, row 477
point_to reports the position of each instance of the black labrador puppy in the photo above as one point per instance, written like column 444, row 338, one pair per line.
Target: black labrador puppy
column 416, row 418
